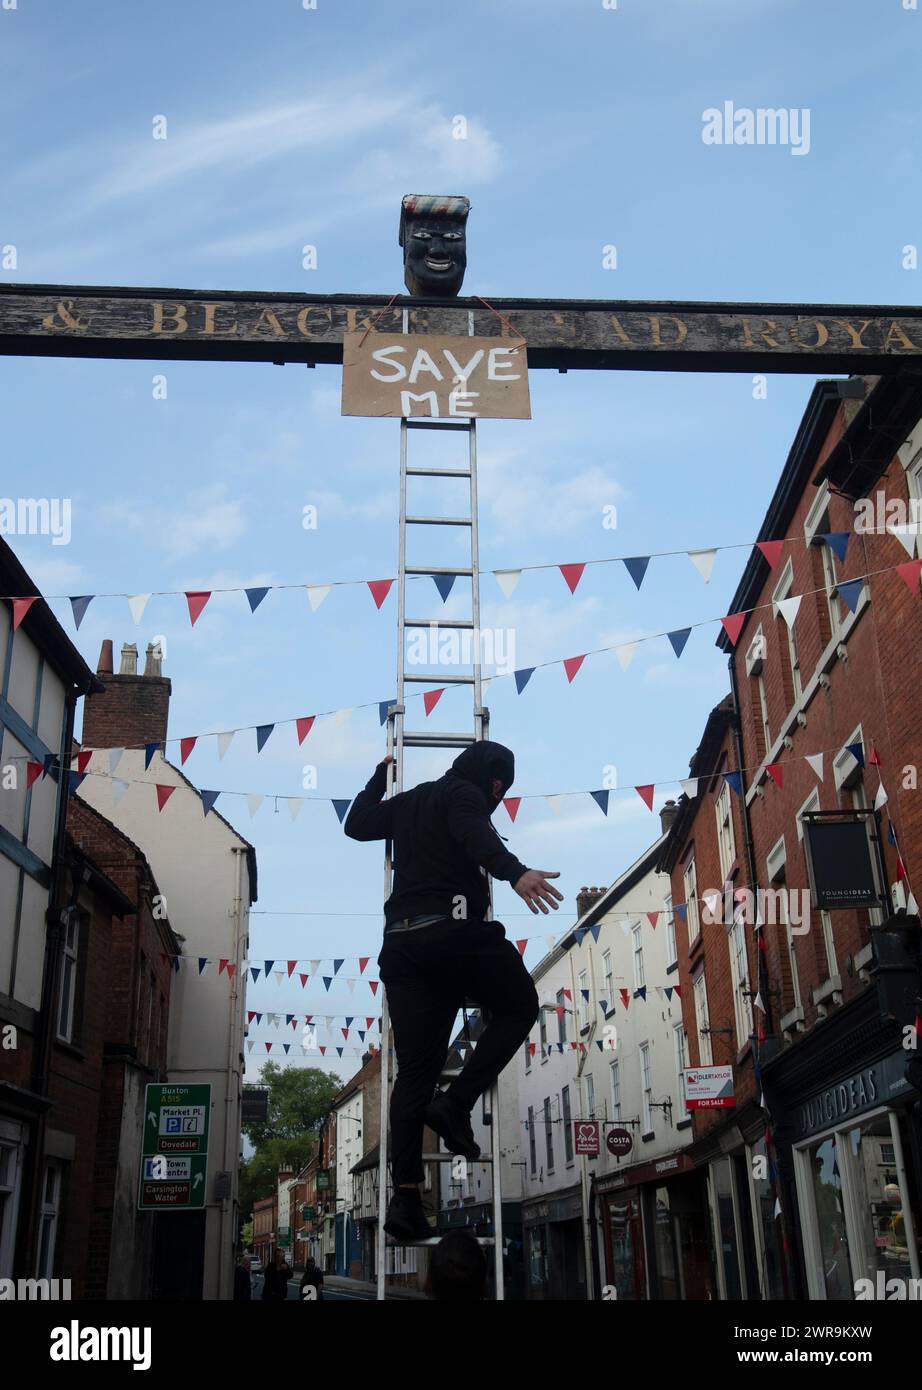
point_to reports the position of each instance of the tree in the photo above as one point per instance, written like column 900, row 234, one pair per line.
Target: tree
column 299, row 1098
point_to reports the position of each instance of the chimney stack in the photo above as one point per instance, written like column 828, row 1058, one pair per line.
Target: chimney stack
column 132, row 710
column 154, row 660
column 667, row 815
column 587, row 898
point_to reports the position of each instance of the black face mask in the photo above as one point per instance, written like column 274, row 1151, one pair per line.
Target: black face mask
column 482, row 763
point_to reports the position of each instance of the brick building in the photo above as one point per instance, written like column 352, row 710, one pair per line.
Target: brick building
column 809, row 1006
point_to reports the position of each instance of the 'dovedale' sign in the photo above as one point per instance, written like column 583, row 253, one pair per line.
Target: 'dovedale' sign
column 444, row 378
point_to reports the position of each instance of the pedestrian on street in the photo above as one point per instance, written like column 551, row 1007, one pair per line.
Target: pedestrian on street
column 440, row 950
column 457, row 1270
column 275, row 1282
column 243, row 1288
column 312, row 1277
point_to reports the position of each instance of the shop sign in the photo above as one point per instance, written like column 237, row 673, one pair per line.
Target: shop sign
column 709, row 1088
column 586, row 1133
column 840, row 861
column 619, row 1141
column 872, row 1085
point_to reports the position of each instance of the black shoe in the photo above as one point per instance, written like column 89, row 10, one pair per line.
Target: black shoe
column 452, row 1123
column 406, row 1217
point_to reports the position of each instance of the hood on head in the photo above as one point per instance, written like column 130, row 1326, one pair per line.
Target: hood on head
column 482, row 762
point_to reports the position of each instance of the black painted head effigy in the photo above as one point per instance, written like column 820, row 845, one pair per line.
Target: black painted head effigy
column 433, row 234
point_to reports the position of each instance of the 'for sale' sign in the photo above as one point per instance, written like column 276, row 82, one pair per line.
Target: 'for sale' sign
column 709, row 1088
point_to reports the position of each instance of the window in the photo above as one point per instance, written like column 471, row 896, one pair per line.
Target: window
column 542, row 1026
column 528, row 1054
column 567, row 1124
column 672, row 949
column 646, row 1087
column 590, row 1095
column 549, row 1134
column 755, row 669
column 561, row 1017
column 725, row 839
column 639, row 980
column 701, row 1020
column 910, row 456
column 68, row 996
column 690, row 880
column 532, row 1148
column 787, row 640
column 824, row 567
column 739, row 974
column 615, row 1075
column 812, row 803
column 680, row 1048
column 608, row 977
column 583, row 998
column 11, row 1156
column 48, row 1220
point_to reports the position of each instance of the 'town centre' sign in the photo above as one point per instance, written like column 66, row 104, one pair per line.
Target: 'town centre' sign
column 406, row 375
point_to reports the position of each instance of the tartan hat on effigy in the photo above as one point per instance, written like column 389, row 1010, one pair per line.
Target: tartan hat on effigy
column 450, row 206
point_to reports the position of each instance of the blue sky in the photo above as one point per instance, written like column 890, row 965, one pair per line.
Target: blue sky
column 289, row 127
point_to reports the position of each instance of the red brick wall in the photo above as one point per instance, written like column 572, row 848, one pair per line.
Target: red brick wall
column 131, row 711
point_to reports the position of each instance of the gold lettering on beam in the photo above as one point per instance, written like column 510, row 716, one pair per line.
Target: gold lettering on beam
column 681, row 330
column 619, row 330
column 176, row 312
column 353, row 324
column 855, row 333
column 749, row 341
column 268, row 317
column 894, row 332
column 822, row 333
column 63, row 317
column 305, row 328
column 208, row 327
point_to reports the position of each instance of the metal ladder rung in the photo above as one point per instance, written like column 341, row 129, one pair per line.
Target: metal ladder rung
column 438, row 520
column 448, row 1158
column 439, row 622
column 419, row 739
column 438, row 569
column 440, row 680
column 438, row 425
column 438, row 472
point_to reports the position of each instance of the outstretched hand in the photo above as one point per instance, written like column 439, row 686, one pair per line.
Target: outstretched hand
column 534, row 888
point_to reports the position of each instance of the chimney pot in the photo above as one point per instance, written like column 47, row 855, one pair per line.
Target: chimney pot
column 129, row 666
column 667, row 815
column 153, row 660
column 104, row 667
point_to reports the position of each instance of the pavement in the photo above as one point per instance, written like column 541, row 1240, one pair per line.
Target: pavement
column 338, row 1289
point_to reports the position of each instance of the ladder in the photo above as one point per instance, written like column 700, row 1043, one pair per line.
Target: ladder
column 399, row 738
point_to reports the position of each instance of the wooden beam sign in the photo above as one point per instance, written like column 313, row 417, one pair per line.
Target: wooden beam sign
column 223, row 325
column 444, row 378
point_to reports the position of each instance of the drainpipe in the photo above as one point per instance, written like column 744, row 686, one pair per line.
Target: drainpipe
column 233, row 1083
column 761, row 967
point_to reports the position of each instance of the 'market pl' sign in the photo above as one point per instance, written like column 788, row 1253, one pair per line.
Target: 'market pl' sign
column 409, row 375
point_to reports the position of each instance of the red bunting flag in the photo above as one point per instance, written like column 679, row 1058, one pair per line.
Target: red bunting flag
column 196, row 599
column 521, row 945
column 222, row 965
column 304, row 726
column 560, row 1011
column 909, row 573
column 567, row 995
column 512, row 804
column 186, row 746
column 572, row 574
column 625, row 997
column 33, row 772
column 21, row 607
column 572, row 664
column 267, row 1046
column 251, row 1014
column 776, row 773
column 431, row 699
column 291, row 968
column 345, row 1032
column 323, row 1050
column 83, row 759
column 874, row 759
column 232, row 966
column 652, row 918
column 677, row 989
column 733, row 626
column 163, row 795
column 380, row 588
column 573, row 1047
column 531, row 1048
column 771, row 550
column 646, row 794
column 900, row 869
column 374, row 986
column 369, row 1022
column 304, row 979
column 363, row 961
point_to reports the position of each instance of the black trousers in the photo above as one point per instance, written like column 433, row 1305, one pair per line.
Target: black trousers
column 429, row 974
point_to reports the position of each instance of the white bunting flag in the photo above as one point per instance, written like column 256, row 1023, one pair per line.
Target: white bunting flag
column 350, row 986
column 119, row 789
column 315, row 966
column 254, row 801
column 788, row 608
column 710, row 900
column 224, row 742
column 316, row 593
column 115, row 757
column 279, row 976
column 816, row 762
column 912, row 907
column 689, row 786
column 294, row 805
column 881, row 797
column 703, row 561
column 551, row 942
column 906, row 535
column 554, row 803
column 341, row 717
column 507, row 580
column 137, row 604
column 758, row 1002
column 625, row 654
column 249, row 1046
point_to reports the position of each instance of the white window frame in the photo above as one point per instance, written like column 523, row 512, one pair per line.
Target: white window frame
column 776, row 868
column 812, row 803
column 680, row 1052
column 608, row 973
column 67, row 997
column 646, row 1085
column 548, row 1119
column 726, row 841
column 692, row 917
column 562, row 1018
column 614, row 1083
column 590, row 1095
column 640, row 979
column 672, row 944
column 11, row 1140
column 702, row 1019
column 583, row 1001
column 782, row 590
column 739, row 975
column 532, row 1143
column 49, row 1218
column 566, row 1115
column 816, row 523
column 910, row 456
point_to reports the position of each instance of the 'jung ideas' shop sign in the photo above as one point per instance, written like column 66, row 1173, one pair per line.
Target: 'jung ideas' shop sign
column 842, row 860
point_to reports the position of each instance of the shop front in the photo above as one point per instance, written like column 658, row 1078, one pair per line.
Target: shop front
column 555, row 1251
column 478, row 1219
column 653, row 1231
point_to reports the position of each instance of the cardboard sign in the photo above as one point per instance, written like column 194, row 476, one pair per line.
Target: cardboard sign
column 407, row 376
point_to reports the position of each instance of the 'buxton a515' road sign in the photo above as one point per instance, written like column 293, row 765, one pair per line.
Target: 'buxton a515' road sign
column 174, row 1155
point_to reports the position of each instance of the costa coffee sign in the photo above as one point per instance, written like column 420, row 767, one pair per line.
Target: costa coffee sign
column 619, row 1142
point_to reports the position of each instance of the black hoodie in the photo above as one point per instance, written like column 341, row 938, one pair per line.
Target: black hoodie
column 443, row 842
